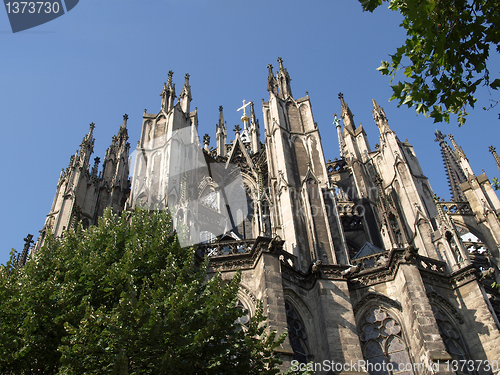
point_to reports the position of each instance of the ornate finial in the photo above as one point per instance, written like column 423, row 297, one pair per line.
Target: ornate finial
column 125, row 118
column 439, row 136
column 28, row 240
column 92, row 126
column 341, row 96
column 24, row 255
column 186, row 79
column 336, row 120
column 237, row 129
column 220, row 108
column 280, row 61
column 495, row 155
column 270, row 67
column 145, row 110
column 170, row 74
column 206, row 140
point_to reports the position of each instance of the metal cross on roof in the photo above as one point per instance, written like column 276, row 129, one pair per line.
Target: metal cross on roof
column 243, row 107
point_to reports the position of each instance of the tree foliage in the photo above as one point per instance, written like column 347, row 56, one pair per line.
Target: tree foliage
column 124, row 298
column 445, row 55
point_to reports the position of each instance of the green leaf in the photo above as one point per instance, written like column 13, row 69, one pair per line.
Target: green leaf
column 495, row 84
column 384, row 68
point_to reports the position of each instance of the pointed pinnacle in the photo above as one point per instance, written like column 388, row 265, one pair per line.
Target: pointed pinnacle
column 280, row 61
column 270, row 67
column 439, row 136
column 125, row 118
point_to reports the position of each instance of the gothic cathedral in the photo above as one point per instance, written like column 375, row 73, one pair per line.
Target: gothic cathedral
column 356, row 258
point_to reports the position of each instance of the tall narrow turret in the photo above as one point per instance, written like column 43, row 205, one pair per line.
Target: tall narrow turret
column 495, row 155
column 87, row 148
column 298, row 170
column 114, row 187
column 380, row 117
column 272, row 84
column 346, row 115
column 185, row 97
column 340, row 137
column 168, row 93
column 454, row 171
column 283, row 80
column 254, row 130
column 221, row 134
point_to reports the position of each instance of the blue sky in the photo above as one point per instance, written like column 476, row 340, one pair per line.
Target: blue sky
column 107, row 58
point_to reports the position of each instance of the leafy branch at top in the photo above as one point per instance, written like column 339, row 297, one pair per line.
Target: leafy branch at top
column 444, row 57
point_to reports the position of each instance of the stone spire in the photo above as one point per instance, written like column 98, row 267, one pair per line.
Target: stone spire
column 86, row 148
column 340, row 137
column 283, row 80
column 115, row 164
column 454, row 171
column 459, row 153
column 380, row 118
column 495, row 155
column 28, row 241
column 221, row 134
column 272, row 84
column 123, row 133
column 168, row 93
column 185, row 97
column 254, row 130
column 346, row 115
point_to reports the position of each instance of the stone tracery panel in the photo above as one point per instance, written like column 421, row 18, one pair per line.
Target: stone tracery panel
column 455, row 346
column 297, row 334
column 383, row 344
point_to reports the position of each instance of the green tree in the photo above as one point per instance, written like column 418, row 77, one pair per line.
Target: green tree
column 445, row 55
column 124, row 298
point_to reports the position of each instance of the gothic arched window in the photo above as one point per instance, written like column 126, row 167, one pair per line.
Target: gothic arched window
column 452, row 340
column 384, row 348
column 296, row 334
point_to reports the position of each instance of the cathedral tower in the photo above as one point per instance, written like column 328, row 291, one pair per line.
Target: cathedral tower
column 82, row 192
column 298, row 176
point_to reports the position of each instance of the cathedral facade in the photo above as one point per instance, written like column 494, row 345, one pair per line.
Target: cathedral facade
column 356, row 258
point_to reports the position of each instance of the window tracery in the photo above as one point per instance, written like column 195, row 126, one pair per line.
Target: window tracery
column 297, row 334
column 451, row 337
column 383, row 345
